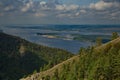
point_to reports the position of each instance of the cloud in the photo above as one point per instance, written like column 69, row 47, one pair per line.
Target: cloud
column 27, row 6
column 102, row 5
column 83, row 11
column 63, row 15
column 67, row 15
column 116, row 13
column 67, row 7
column 44, row 5
column 77, row 14
column 60, row 7
column 70, row 11
column 72, row 7
column 8, row 8
column 104, row 10
column 40, row 15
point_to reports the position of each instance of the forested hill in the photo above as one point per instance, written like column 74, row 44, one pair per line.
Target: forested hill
column 18, row 57
column 94, row 63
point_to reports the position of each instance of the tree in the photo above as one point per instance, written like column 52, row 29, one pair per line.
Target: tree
column 35, row 71
column 56, row 74
column 47, row 77
column 81, row 50
column 114, row 35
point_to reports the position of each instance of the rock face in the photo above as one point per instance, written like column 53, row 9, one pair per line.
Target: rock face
column 22, row 50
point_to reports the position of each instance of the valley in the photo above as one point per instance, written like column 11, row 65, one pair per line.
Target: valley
column 19, row 58
column 68, row 37
column 59, row 53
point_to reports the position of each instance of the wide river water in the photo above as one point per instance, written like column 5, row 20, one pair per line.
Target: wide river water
column 29, row 32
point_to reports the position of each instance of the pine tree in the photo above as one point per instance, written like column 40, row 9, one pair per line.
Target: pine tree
column 56, row 75
column 114, row 35
column 98, row 41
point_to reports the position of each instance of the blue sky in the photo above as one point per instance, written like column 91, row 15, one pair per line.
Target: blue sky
column 59, row 11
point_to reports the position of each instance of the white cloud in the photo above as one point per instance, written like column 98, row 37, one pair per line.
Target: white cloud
column 77, row 14
column 115, row 14
column 40, row 14
column 43, row 3
column 80, row 12
column 67, row 7
column 101, row 5
column 27, row 6
column 64, row 15
column 60, row 7
column 44, row 6
column 69, row 15
column 8, row 8
column 83, row 11
column 72, row 7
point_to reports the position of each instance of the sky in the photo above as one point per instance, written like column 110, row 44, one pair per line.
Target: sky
column 59, row 11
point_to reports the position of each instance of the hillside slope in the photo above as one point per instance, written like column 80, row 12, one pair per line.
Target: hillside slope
column 100, row 63
column 19, row 57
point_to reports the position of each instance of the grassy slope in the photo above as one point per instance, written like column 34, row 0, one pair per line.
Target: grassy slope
column 99, row 59
column 19, row 57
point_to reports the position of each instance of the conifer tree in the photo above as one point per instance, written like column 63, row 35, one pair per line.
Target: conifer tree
column 114, row 35
column 98, row 41
column 56, row 75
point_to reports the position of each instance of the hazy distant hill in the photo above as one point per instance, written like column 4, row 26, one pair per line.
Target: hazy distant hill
column 94, row 63
column 1, row 30
column 19, row 57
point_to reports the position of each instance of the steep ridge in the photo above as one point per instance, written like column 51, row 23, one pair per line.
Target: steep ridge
column 50, row 71
column 19, row 57
column 99, row 63
column 113, row 42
